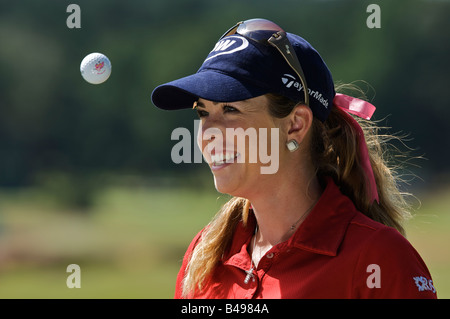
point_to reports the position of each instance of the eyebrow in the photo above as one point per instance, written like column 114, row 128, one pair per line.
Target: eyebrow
column 198, row 104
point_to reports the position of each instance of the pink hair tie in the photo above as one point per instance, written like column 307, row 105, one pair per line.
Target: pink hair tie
column 355, row 106
column 364, row 110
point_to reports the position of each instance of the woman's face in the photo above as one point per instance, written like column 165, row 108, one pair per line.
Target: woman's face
column 240, row 142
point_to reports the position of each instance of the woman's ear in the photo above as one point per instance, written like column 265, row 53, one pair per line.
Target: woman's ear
column 300, row 121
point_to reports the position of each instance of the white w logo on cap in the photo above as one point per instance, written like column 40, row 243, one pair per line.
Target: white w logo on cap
column 223, row 45
column 229, row 45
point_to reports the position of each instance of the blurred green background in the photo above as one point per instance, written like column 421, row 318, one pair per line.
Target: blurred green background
column 86, row 175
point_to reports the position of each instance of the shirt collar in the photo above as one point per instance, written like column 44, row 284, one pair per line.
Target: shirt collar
column 321, row 232
column 324, row 229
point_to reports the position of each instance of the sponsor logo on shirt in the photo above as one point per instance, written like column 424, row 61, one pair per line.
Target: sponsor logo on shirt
column 424, row 284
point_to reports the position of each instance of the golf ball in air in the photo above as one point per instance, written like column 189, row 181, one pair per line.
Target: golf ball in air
column 95, row 68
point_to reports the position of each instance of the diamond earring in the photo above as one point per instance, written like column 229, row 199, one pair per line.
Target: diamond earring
column 292, row 145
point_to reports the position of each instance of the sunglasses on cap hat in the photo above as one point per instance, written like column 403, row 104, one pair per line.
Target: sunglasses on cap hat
column 266, row 32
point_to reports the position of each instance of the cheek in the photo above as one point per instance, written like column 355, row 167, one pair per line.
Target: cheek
column 200, row 140
column 202, row 143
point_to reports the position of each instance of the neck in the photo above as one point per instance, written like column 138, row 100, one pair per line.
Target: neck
column 283, row 208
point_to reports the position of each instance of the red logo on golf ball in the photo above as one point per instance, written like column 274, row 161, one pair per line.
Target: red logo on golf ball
column 99, row 67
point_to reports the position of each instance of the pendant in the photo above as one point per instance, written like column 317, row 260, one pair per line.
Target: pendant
column 249, row 275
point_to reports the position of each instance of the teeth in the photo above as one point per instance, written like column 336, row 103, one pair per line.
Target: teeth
column 220, row 159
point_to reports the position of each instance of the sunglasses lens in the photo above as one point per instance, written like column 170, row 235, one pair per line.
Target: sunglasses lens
column 258, row 29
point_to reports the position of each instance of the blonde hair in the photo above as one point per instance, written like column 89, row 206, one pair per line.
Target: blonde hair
column 334, row 150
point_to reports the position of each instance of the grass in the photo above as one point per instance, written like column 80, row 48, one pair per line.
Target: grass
column 130, row 243
column 429, row 233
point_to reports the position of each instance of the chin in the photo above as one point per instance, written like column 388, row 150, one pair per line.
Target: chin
column 226, row 185
column 222, row 187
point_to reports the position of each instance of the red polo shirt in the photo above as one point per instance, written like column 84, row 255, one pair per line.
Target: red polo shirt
column 337, row 252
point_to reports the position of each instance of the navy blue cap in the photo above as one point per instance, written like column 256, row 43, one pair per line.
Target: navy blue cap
column 239, row 68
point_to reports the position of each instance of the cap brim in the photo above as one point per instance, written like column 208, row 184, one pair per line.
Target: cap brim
column 208, row 85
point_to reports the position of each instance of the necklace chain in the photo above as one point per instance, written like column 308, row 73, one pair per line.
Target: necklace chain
column 290, row 229
column 302, row 217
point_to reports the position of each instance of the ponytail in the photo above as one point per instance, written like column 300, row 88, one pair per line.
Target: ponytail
column 334, row 150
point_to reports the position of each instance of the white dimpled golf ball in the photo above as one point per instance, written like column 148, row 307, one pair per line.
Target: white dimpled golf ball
column 95, row 68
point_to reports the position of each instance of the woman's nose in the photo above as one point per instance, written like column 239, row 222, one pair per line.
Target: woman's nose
column 210, row 129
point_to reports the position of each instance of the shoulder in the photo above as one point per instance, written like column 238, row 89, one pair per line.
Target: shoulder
column 379, row 239
column 387, row 265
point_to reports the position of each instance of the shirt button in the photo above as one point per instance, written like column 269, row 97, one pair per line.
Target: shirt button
column 270, row 255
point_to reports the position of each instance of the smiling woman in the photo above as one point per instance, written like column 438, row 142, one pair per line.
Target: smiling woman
column 238, row 133
column 327, row 223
